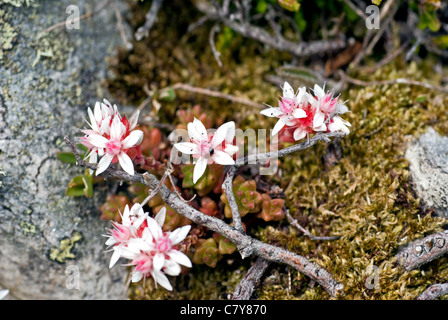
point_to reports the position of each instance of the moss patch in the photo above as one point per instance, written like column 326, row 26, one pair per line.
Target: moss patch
column 65, row 250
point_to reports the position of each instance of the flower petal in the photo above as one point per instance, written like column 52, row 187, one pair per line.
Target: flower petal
column 180, row 258
column 199, row 129
column 318, row 91
column 318, row 119
column 179, row 234
column 133, row 139
column 288, row 91
column 161, row 279
column 223, row 158
column 171, row 268
column 115, row 257
column 133, row 120
column 160, row 217
column 97, row 140
column 230, row 149
column 299, row 134
column 272, row 112
column 154, row 227
column 104, row 163
column 278, row 126
column 126, row 163
column 199, row 168
column 224, row 132
column 158, row 261
column 299, row 113
column 187, row 147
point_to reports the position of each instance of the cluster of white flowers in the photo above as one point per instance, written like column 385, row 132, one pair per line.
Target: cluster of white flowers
column 151, row 251
column 209, row 147
column 302, row 113
column 112, row 137
column 140, row 238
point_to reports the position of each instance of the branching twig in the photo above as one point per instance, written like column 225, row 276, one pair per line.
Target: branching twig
column 302, row 49
column 306, row 232
column 246, row 245
column 251, row 280
column 150, row 19
column 358, row 82
column 227, row 187
column 211, row 40
column 433, row 292
column 216, row 94
column 423, row 250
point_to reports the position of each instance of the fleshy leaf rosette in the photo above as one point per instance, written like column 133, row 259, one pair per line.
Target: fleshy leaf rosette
column 246, row 196
column 271, row 209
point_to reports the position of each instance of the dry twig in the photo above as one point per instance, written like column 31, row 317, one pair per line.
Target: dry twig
column 216, row 94
column 423, row 250
column 306, row 232
column 251, row 280
column 433, row 292
column 358, row 82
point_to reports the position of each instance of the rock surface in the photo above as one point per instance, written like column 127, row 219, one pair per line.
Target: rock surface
column 428, row 157
column 51, row 245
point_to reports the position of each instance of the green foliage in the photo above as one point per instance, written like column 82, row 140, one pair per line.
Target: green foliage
column 441, row 41
column 290, row 5
column 206, row 252
column 428, row 19
column 79, row 186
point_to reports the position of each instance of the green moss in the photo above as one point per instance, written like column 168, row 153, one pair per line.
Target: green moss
column 20, row 3
column 65, row 250
column 8, row 34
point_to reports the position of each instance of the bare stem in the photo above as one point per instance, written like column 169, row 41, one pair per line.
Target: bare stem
column 150, row 19
column 433, row 292
column 423, row 250
column 306, row 232
column 251, row 280
column 358, row 82
column 216, row 94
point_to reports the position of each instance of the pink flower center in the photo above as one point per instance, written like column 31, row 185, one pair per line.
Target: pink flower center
column 113, row 147
column 307, row 122
column 143, row 263
column 205, row 148
column 121, row 233
column 164, row 244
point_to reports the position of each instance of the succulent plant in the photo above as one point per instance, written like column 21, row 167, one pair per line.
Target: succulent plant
column 271, row 209
column 211, row 180
column 246, row 196
column 206, row 252
column 187, row 115
column 225, row 246
column 209, row 207
column 110, row 210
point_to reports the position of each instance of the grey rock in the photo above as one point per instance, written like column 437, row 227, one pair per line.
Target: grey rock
column 51, row 245
column 428, row 158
